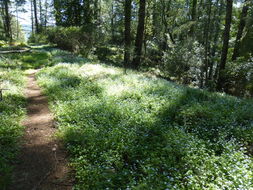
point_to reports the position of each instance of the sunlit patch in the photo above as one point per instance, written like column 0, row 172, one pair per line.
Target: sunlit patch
column 122, row 120
column 118, row 90
column 91, row 70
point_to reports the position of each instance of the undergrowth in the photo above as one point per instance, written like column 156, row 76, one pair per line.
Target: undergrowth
column 136, row 132
column 11, row 113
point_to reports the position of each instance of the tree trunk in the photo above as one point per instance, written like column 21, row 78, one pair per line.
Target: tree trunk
column 216, row 32
column 37, row 29
column 40, row 12
column 194, row 10
column 46, row 14
column 7, row 20
column 224, row 52
column 17, row 22
column 32, row 19
column 112, row 21
column 139, row 36
column 164, row 18
column 240, row 30
column 207, row 42
column 128, row 7
column 193, row 16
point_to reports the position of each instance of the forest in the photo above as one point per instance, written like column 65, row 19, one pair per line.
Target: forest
column 126, row 94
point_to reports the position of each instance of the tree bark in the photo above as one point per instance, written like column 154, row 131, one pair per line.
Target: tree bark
column 216, row 32
column 37, row 29
column 128, row 7
column 207, row 42
column 17, row 21
column 32, row 19
column 164, row 17
column 7, row 20
column 40, row 12
column 46, row 14
column 139, row 36
column 112, row 21
column 194, row 10
column 224, row 52
column 193, row 16
column 240, row 30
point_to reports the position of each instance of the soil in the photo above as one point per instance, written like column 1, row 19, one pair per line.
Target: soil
column 42, row 163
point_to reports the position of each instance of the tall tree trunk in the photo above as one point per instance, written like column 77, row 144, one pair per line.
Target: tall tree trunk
column 164, row 17
column 194, row 10
column 46, row 14
column 32, row 19
column 224, row 52
column 139, row 36
column 17, row 21
column 7, row 19
column 193, row 16
column 37, row 29
column 240, row 30
column 216, row 31
column 41, row 12
column 112, row 21
column 128, row 7
column 207, row 42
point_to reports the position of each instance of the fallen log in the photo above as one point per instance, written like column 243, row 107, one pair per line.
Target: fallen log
column 15, row 51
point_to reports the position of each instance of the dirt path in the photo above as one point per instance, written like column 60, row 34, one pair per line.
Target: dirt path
column 42, row 163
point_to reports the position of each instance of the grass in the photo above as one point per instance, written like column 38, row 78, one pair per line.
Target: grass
column 136, row 132
column 11, row 113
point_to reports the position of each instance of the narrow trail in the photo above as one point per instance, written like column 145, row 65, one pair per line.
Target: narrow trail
column 42, row 163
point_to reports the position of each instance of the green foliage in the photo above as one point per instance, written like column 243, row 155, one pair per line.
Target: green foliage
column 38, row 39
column 29, row 60
column 112, row 55
column 11, row 112
column 72, row 38
column 184, row 62
column 2, row 43
column 239, row 77
column 134, row 132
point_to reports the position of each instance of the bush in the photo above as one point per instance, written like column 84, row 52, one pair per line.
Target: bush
column 183, row 62
column 2, row 43
column 239, row 78
column 38, row 38
column 73, row 39
column 113, row 55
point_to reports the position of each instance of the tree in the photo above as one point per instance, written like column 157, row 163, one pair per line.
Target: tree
column 128, row 8
column 7, row 20
column 37, row 27
column 241, row 27
column 139, row 36
column 224, row 52
column 87, row 12
column 216, row 35
column 193, row 15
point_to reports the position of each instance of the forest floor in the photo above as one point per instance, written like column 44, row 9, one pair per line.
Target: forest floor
column 42, row 163
column 120, row 131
